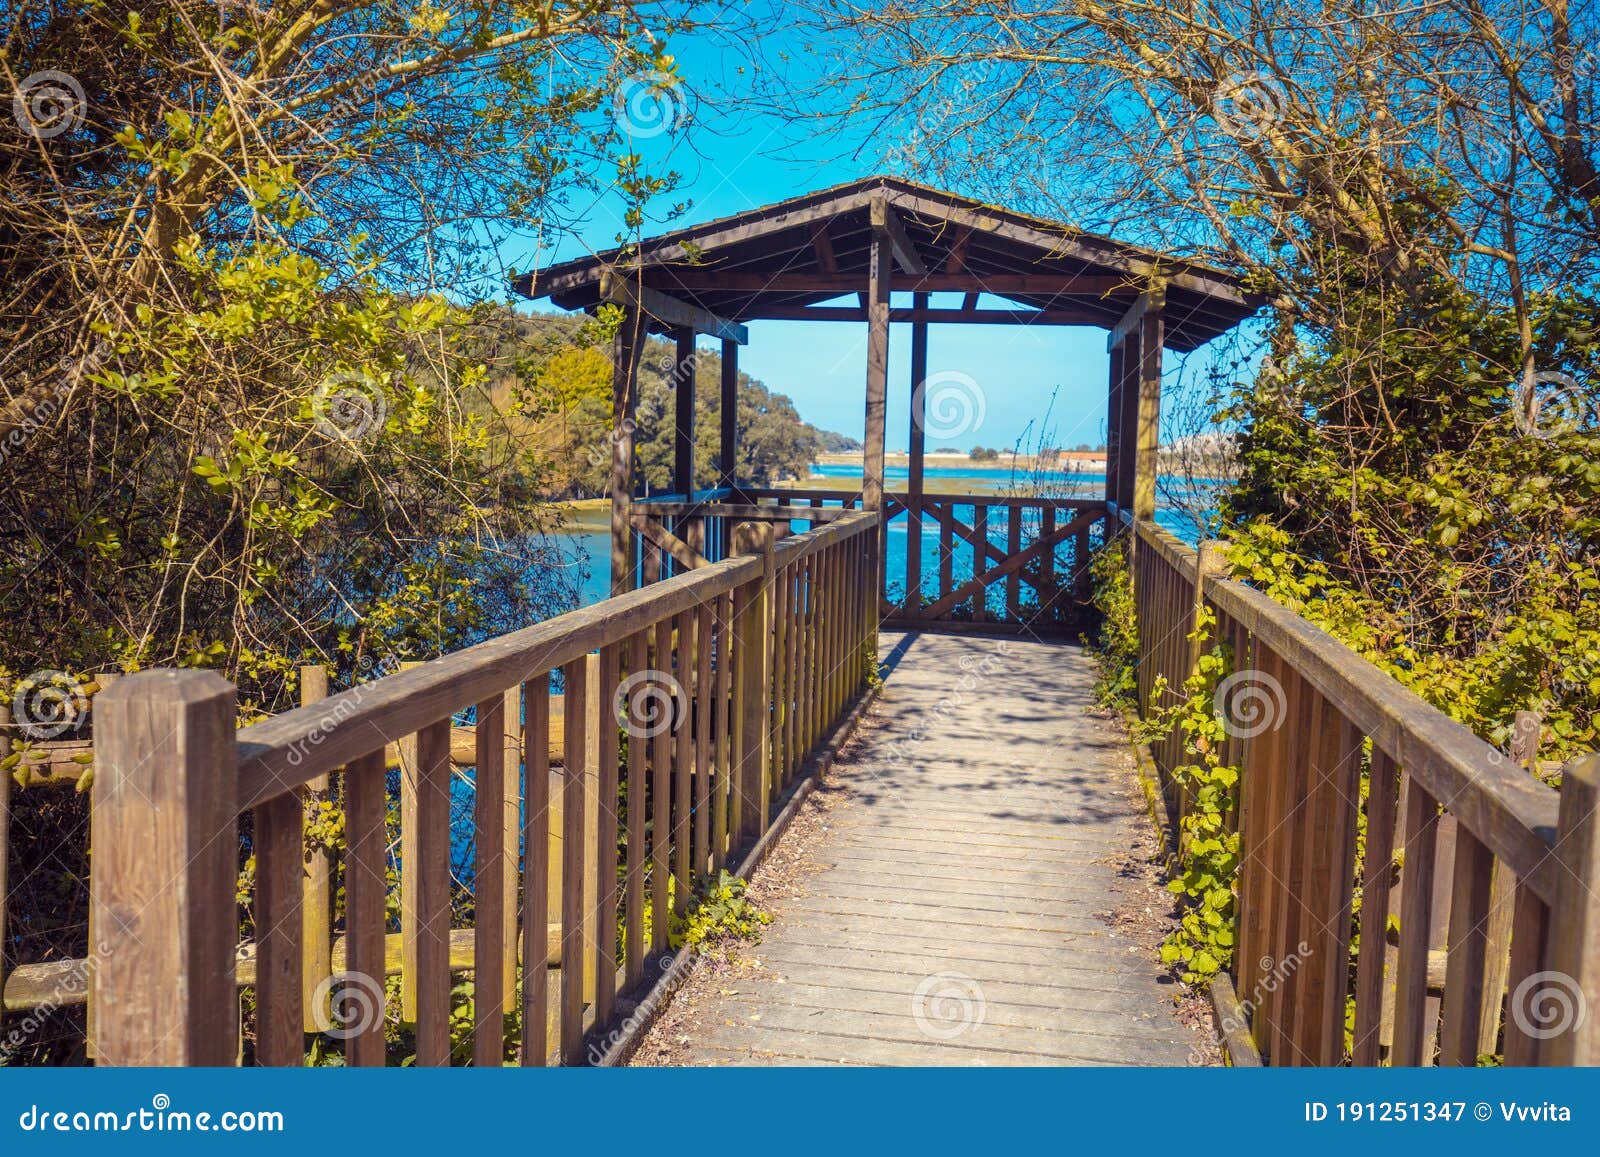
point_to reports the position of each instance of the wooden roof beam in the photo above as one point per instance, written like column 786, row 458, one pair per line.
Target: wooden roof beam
column 956, row 262
column 669, row 311
column 822, row 244
column 887, row 222
column 714, row 280
column 934, row 316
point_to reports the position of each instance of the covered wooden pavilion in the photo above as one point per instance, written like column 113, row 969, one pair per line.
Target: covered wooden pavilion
column 803, row 259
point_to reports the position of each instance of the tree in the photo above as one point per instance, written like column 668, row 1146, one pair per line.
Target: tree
column 238, row 243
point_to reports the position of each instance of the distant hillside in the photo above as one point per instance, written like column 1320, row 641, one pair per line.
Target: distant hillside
column 550, row 379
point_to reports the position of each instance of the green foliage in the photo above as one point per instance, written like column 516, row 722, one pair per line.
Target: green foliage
column 1397, row 489
column 1203, row 943
column 719, row 912
column 1118, row 642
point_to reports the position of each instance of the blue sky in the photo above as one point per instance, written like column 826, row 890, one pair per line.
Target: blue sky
column 732, row 166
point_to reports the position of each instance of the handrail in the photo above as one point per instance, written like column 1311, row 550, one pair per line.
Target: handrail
column 1514, row 813
column 288, row 750
column 720, row 682
column 1520, row 856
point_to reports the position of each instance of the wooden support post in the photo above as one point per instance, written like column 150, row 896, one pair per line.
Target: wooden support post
column 316, row 904
column 1113, row 419
column 165, row 839
column 751, row 683
column 624, row 397
column 877, row 382
column 683, row 367
column 728, row 449
column 5, row 850
column 1575, row 916
column 1147, row 432
column 916, row 445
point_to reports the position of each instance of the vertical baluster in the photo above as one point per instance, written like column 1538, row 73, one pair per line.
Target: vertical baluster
column 752, row 682
column 723, row 778
column 316, row 907
column 433, row 894
column 839, row 623
column 1269, row 780
column 1304, row 723
column 1014, row 548
column 410, row 879
column 1080, row 562
column 511, row 844
column 1575, row 927
column 1466, row 951
column 1530, row 931
column 366, row 890
column 661, row 806
column 781, row 596
column 793, row 700
column 810, row 661
column 488, row 892
column 279, row 840
column 605, row 868
column 638, row 804
column 980, row 560
column 1377, row 876
column 535, row 884
column 1332, row 886
column 683, row 760
column 1416, row 919
column 574, row 693
column 947, row 515
column 700, row 716
column 1047, row 561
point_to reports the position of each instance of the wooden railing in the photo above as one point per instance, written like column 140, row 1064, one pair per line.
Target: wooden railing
column 1492, row 877
column 967, row 558
column 721, row 681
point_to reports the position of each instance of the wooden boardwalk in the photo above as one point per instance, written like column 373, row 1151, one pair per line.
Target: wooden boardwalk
column 972, row 900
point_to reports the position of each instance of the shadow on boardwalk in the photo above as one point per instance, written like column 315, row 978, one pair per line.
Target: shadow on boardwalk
column 974, row 884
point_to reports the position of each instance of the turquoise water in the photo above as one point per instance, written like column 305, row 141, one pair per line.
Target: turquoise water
column 591, row 547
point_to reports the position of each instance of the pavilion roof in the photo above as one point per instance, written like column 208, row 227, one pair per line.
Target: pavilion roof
column 783, row 260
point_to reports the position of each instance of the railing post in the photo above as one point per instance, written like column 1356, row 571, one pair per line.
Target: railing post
column 5, row 844
column 1575, row 918
column 752, row 681
column 165, row 839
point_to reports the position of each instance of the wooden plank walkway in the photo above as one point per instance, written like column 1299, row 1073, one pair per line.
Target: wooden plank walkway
column 973, row 902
